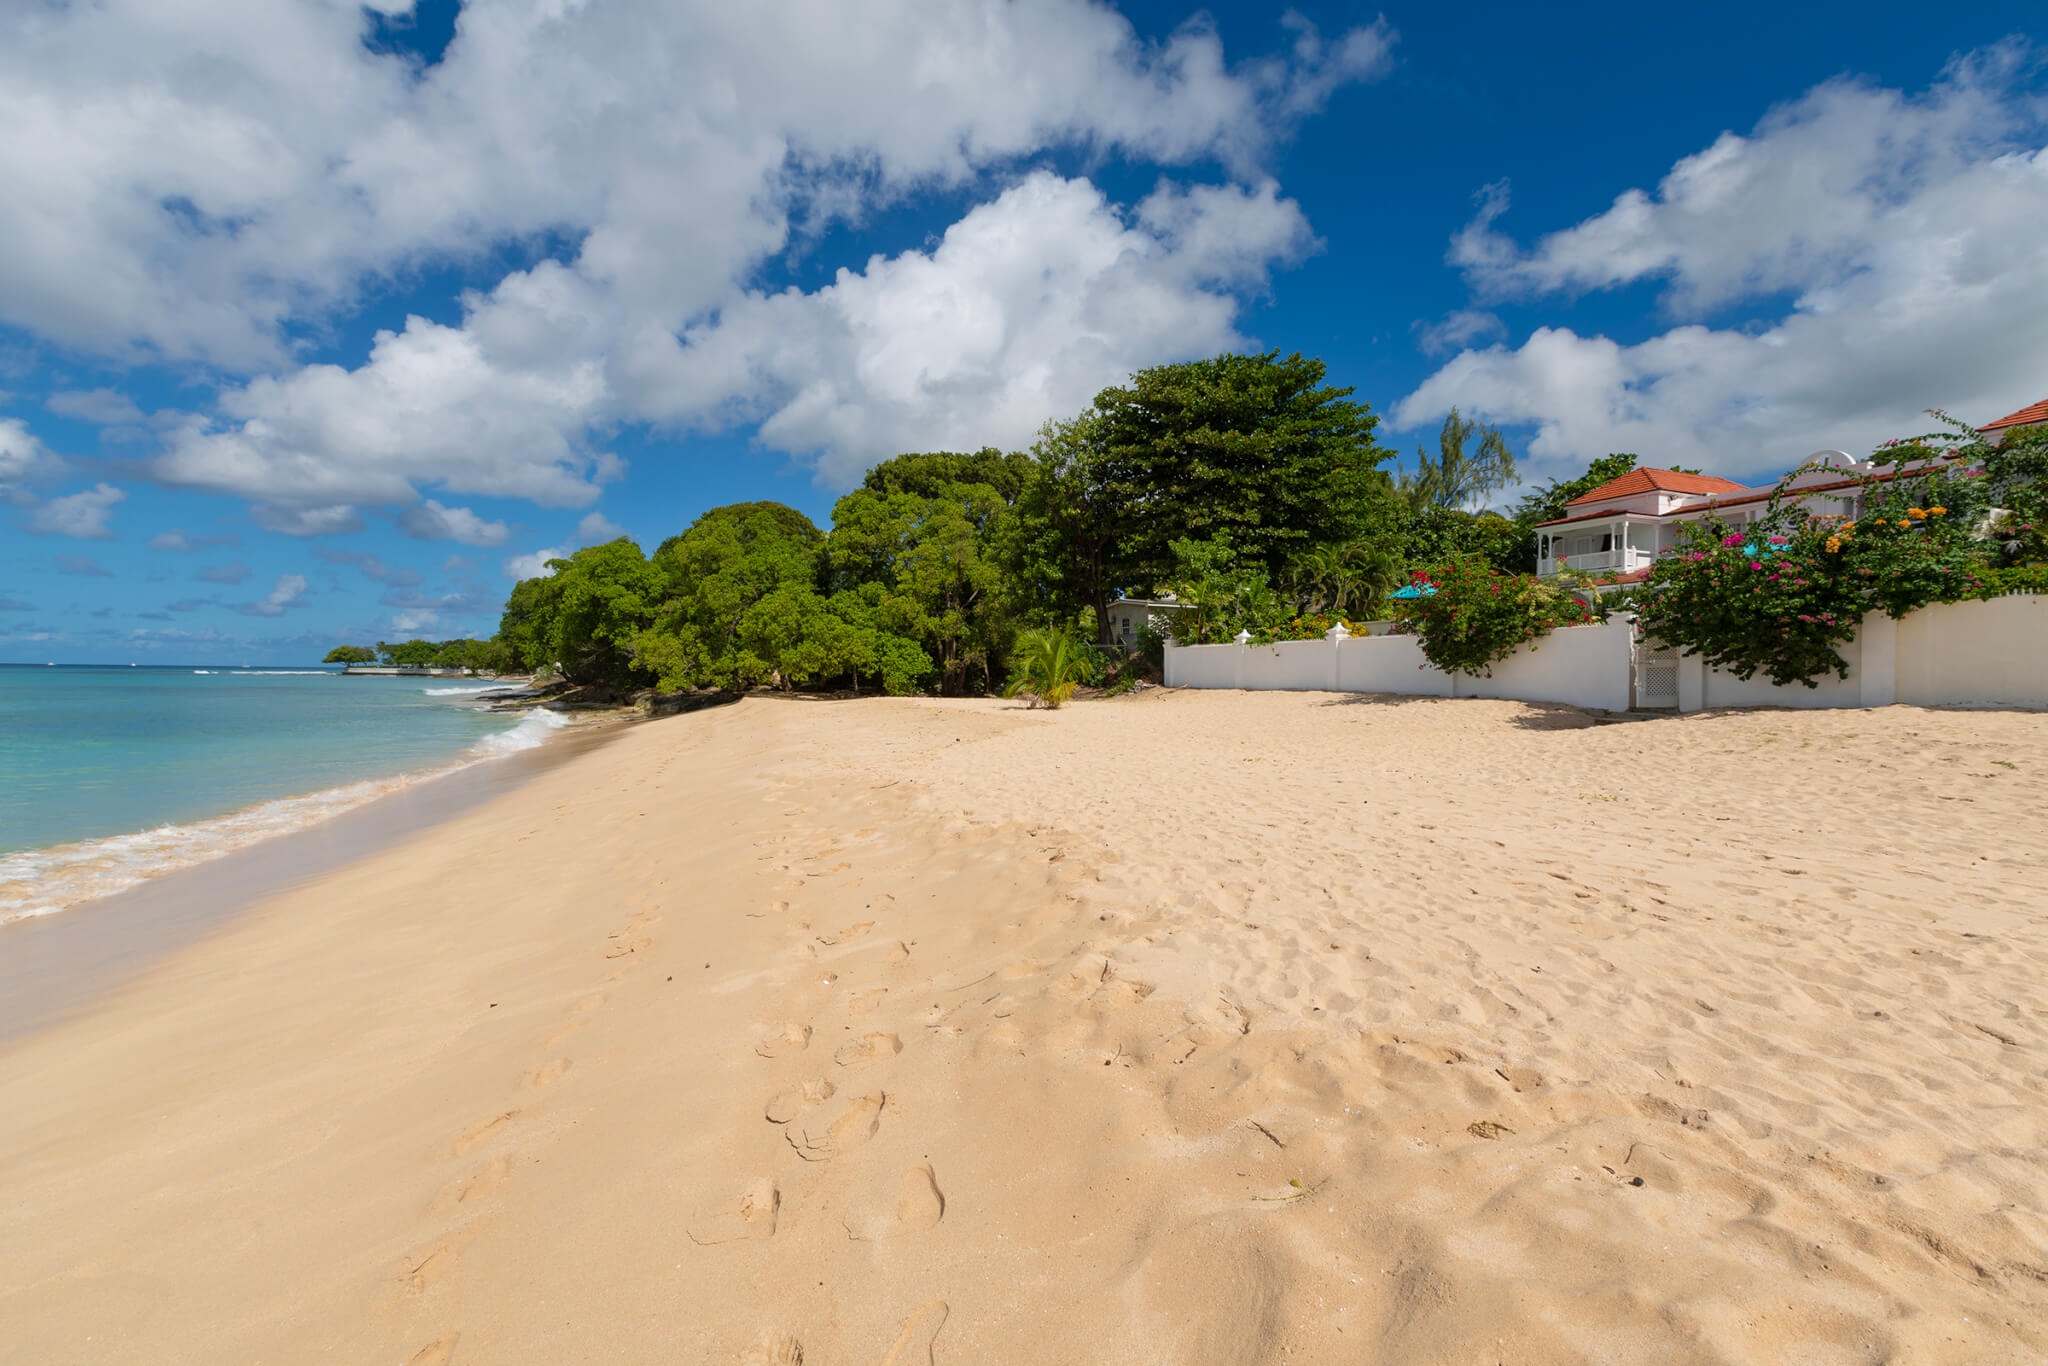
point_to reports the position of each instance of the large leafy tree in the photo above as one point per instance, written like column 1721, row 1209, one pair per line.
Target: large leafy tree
column 925, row 530
column 602, row 598
column 1254, row 447
column 741, row 579
column 526, row 628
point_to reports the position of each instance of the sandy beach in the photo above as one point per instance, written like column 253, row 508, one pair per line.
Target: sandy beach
column 1183, row 1028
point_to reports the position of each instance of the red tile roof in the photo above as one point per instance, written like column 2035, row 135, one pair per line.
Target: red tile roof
column 2025, row 417
column 1748, row 497
column 1667, row 481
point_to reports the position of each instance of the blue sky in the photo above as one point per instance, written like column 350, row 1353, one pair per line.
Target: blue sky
column 320, row 325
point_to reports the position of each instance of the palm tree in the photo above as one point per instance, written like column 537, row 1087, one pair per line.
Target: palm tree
column 1050, row 665
column 1344, row 579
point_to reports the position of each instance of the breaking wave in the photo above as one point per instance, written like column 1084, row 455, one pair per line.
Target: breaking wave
column 40, row 882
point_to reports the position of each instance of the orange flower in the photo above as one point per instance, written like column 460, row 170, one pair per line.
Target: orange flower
column 1936, row 512
column 1917, row 514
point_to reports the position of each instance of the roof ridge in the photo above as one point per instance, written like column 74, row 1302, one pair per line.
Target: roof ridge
column 2032, row 413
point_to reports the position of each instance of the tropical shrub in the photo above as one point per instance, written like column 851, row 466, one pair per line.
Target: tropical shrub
column 1477, row 616
column 1220, row 592
column 1312, row 626
column 1781, row 596
column 1049, row 666
column 1774, row 604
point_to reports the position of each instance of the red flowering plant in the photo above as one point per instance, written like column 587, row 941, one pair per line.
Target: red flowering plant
column 1779, row 596
column 1770, row 604
column 1477, row 616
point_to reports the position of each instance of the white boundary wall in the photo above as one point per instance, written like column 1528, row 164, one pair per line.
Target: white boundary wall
column 1585, row 666
column 1959, row 654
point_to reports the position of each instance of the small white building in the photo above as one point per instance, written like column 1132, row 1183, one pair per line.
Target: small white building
column 1129, row 616
column 1625, row 525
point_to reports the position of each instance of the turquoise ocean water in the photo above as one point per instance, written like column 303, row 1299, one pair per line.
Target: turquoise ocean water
column 111, row 775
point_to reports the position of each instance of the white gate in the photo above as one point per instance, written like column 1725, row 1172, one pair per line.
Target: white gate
column 1656, row 678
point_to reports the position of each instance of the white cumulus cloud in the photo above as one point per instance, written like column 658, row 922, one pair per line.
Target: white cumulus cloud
column 429, row 521
column 83, row 515
column 289, row 589
column 21, row 454
column 191, row 185
column 1905, row 229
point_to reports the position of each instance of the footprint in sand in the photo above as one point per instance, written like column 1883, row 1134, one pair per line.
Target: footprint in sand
column 750, row 1214
column 423, row 1272
column 622, row 945
column 547, row 1073
column 914, row 1344
column 784, row 1106
column 439, row 1352
column 850, row 932
column 913, row 1204
column 855, row 1125
column 773, row 1349
column 868, row 1048
column 900, row 953
column 867, row 1001
column 788, row 1039
column 475, row 1186
column 478, row 1134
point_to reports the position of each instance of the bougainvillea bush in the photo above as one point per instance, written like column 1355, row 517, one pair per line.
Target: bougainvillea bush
column 1477, row 616
column 1779, row 596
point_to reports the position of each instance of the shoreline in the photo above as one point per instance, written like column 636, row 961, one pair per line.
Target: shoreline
column 79, row 872
column 54, row 964
column 1267, row 1028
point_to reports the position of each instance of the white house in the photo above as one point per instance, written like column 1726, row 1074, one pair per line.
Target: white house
column 1622, row 527
column 1128, row 616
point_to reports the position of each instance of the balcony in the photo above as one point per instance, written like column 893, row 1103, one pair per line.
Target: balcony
column 1624, row 560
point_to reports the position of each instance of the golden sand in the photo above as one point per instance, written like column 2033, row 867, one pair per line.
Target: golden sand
column 1186, row 1028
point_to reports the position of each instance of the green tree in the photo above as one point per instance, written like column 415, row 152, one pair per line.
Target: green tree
column 737, row 589
column 1220, row 592
column 527, row 627
column 1435, row 536
column 927, row 529
column 1471, row 461
column 1254, row 447
column 410, row 654
column 1350, row 579
column 599, row 601
column 930, row 474
column 350, row 654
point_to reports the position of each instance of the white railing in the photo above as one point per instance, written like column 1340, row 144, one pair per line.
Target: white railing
column 1611, row 561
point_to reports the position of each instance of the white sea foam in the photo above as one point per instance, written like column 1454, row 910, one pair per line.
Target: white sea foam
column 534, row 729
column 40, row 882
column 206, row 671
